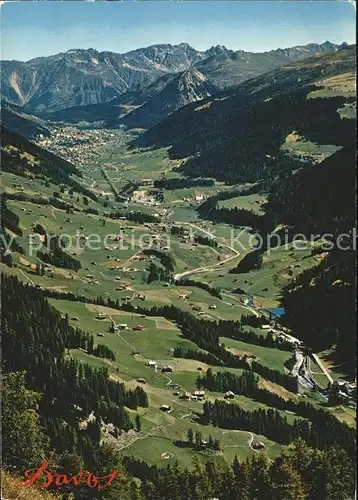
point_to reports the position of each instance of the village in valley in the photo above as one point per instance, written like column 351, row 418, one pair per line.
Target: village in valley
column 166, row 257
column 76, row 145
column 162, row 281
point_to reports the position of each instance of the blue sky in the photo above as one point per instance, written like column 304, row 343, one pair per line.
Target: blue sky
column 32, row 29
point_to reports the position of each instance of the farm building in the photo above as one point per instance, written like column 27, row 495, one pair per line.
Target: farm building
column 173, row 386
column 138, row 327
column 101, row 316
column 212, row 306
column 165, row 408
column 258, row 445
column 229, row 395
column 141, row 380
column 185, row 395
column 167, row 368
column 199, row 394
column 152, row 363
column 123, row 287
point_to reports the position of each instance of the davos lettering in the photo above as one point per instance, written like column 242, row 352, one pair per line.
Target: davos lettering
column 90, row 479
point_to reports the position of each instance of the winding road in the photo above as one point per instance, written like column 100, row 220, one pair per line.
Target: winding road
column 249, row 442
column 180, row 276
column 27, row 277
column 239, row 304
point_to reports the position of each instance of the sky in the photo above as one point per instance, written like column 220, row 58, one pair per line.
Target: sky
column 33, row 29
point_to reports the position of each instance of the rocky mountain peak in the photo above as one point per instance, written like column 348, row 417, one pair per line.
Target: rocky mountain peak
column 217, row 50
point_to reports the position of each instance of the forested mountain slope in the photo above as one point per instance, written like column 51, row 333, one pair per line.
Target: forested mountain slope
column 22, row 156
column 234, row 135
column 26, row 159
column 16, row 120
column 248, row 135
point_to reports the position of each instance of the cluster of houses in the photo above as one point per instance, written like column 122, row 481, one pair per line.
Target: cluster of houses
column 164, row 369
column 197, row 308
column 280, row 335
column 116, row 327
column 194, row 396
column 144, row 197
column 77, row 146
column 91, row 280
column 140, row 257
column 197, row 199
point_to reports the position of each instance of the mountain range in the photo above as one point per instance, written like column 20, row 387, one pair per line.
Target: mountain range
column 82, row 77
column 235, row 128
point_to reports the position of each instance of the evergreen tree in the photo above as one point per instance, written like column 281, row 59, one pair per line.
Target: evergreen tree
column 286, row 482
column 138, row 423
column 201, row 488
column 216, row 445
column 241, row 479
column 190, row 436
column 198, row 438
column 24, row 444
column 259, row 479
